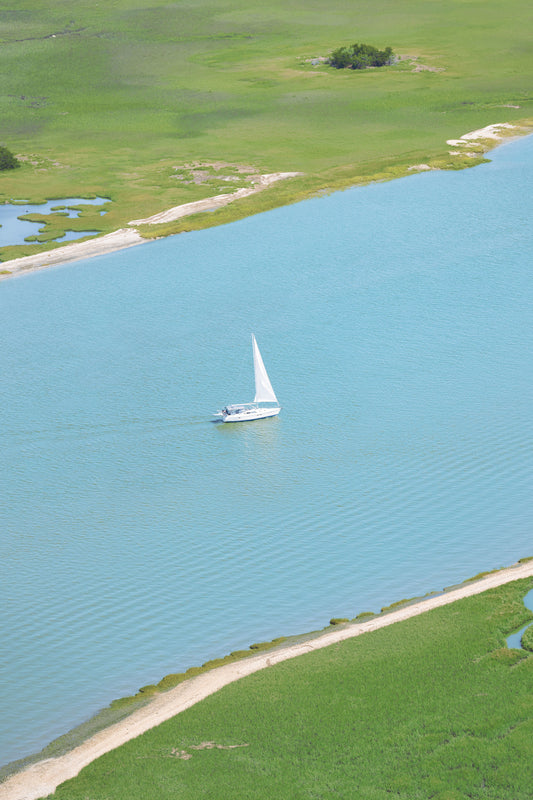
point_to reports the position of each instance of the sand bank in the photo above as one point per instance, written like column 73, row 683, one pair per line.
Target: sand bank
column 43, row 778
column 212, row 203
column 484, row 138
column 128, row 237
column 118, row 240
column 496, row 132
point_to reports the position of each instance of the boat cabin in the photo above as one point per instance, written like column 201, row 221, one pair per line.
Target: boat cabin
column 237, row 408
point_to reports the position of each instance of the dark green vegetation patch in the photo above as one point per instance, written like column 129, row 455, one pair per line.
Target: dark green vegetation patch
column 433, row 707
column 7, row 159
column 361, row 56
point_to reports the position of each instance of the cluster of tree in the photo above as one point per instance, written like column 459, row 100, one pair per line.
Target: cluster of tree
column 360, row 56
column 7, row 159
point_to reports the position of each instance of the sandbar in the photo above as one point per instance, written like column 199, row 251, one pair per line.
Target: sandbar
column 44, row 777
column 129, row 237
column 485, row 139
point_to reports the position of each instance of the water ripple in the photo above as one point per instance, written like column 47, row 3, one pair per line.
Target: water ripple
column 138, row 538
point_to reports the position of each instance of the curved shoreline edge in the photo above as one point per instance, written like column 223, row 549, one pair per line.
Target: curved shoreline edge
column 129, row 237
column 472, row 145
column 42, row 778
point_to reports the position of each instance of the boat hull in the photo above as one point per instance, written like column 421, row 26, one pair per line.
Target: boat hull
column 265, row 402
column 250, row 414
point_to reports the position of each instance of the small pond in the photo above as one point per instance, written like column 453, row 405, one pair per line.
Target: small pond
column 14, row 230
column 515, row 640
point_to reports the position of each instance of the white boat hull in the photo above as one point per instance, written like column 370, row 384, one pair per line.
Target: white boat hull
column 249, row 414
column 265, row 403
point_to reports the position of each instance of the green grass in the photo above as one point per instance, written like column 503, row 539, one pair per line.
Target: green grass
column 433, row 707
column 109, row 98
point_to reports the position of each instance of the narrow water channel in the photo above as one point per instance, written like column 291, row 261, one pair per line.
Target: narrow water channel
column 515, row 640
column 15, row 229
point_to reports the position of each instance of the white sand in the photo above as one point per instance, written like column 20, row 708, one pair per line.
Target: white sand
column 128, row 237
column 219, row 200
column 43, row 778
column 118, row 240
column 496, row 132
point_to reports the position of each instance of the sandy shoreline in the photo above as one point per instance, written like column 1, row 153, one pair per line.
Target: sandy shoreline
column 42, row 778
column 129, row 237
column 486, row 138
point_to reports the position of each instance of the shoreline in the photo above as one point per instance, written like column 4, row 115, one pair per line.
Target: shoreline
column 130, row 237
column 482, row 140
column 43, row 777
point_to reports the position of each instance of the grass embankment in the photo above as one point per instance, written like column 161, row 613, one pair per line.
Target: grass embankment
column 113, row 99
column 433, row 707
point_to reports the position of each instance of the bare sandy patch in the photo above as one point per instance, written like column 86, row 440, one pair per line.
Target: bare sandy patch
column 129, row 237
column 496, row 132
column 426, row 68
column 184, row 755
column 258, row 183
column 416, row 65
column 118, row 240
column 44, row 777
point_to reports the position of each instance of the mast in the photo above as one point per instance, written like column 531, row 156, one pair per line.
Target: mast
column 264, row 393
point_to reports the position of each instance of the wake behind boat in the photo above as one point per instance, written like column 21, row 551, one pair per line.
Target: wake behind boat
column 264, row 394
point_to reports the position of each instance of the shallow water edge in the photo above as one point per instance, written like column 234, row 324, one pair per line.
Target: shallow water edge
column 470, row 150
column 125, row 707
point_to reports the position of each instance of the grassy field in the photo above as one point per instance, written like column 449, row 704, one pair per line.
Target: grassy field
column 434, row 707
column 113, row 99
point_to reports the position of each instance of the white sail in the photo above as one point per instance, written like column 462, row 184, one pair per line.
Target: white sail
column 264, row 393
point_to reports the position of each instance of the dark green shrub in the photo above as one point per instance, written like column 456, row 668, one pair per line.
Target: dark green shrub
column 360, row 56
column 341, row 58
column 7, row 159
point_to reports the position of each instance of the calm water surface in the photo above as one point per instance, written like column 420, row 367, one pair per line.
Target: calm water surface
column 138, row 538
column 15, row 231
column 515, row 639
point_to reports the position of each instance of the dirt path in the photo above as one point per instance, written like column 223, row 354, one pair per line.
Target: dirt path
column 43, row 778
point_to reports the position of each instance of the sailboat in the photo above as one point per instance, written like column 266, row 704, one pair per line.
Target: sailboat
column 265, row 402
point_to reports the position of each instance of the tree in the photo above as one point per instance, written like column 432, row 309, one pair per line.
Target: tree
column 360, row 56
column 7, row 159
column 383, row 57
column 341, row 58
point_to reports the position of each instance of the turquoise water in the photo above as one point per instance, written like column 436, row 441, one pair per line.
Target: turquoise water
column 138, row 538
column 15, row 231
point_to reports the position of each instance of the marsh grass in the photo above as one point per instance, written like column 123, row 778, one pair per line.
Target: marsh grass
column 435, row 706
column 113, row 98
column 527, row 639
column 56, row 223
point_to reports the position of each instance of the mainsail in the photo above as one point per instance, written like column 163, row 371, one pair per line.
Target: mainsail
column 264, row 393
